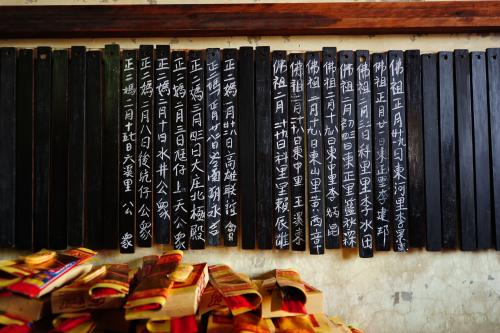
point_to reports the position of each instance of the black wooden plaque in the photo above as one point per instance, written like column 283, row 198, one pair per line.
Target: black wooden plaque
column 196, row 116
column 59, row 152
column 482, row 160
column 315, row 161
column 180, row 168
column 230, row 154
column 246, row 106
column 493, row 65
column 465, row 151
column 110, row 144
column 128, row 157
column 214, row 145
column 94, row 150
column 416, row 178
column 348, row 151
column 162, row 135
column 281, row 217
column 381, row 152
column 430, row 113
column 365, row 152
column 76, row 146
column 24, row 150
column 43, row 76
column 297, row 151
column 399, row 169
column 449, row 197
column 8, row 145
column 144, row 146
column 263, row 131
column 331, row 145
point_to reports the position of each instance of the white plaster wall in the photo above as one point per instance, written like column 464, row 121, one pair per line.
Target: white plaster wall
column 420, row 291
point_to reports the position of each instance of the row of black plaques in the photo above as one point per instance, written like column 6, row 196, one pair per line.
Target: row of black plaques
column 122, row 148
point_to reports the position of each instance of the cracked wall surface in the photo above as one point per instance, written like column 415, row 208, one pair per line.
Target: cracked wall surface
column 420, row 291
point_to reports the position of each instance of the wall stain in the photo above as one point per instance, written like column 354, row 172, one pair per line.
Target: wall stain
column 491, row 278
column 396, row 298
column 254, row 39
column 407, row 296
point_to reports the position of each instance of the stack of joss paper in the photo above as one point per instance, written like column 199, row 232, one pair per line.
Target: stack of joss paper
column 104, row 287
column 167, row 294
column 281, row 302
column 25, row 284
column 63, row 293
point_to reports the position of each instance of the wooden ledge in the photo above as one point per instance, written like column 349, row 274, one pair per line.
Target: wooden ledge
column 249, row 19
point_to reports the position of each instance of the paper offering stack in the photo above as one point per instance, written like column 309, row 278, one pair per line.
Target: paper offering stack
column 63, row 293
column 167, row 295
column 26, row 284
column 286, row 304
column 104, row 287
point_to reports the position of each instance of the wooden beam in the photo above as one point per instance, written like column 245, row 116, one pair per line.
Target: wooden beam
column 248, row 19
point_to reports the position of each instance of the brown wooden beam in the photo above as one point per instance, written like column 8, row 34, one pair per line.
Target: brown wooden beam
column 248, row 19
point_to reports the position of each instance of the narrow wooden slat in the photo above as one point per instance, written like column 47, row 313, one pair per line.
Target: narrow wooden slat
column 180, row 170
column 279, row 111
column 197, row 167
column 365, row 152
column 110, row 144
column 58, row 199
column 246, row 106
column 230, row 155
column 76, row 146
column 399, row 158
column 348, row 151
column 297, row 151
column 144, row 146
column 128, row 155
column 331, row 145
column 8, row 145
column 315, row 160
column 263, row 137
column 249, row 19
column 214, row 145
column 416, row 180
column 493, row 63
column 24, row 150
column 465, row 151
column 162, row 146
column 430, row 111
column 482, row 160
column 381, row 160
column 42, row 147
column 448, row 151
column 94, row 150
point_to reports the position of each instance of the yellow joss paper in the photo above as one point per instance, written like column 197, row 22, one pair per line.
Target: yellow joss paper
column 114, row 282
column 80, row 322
column 181, row 273
column 39, row 257
column 154, row 286
column 158, row 325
